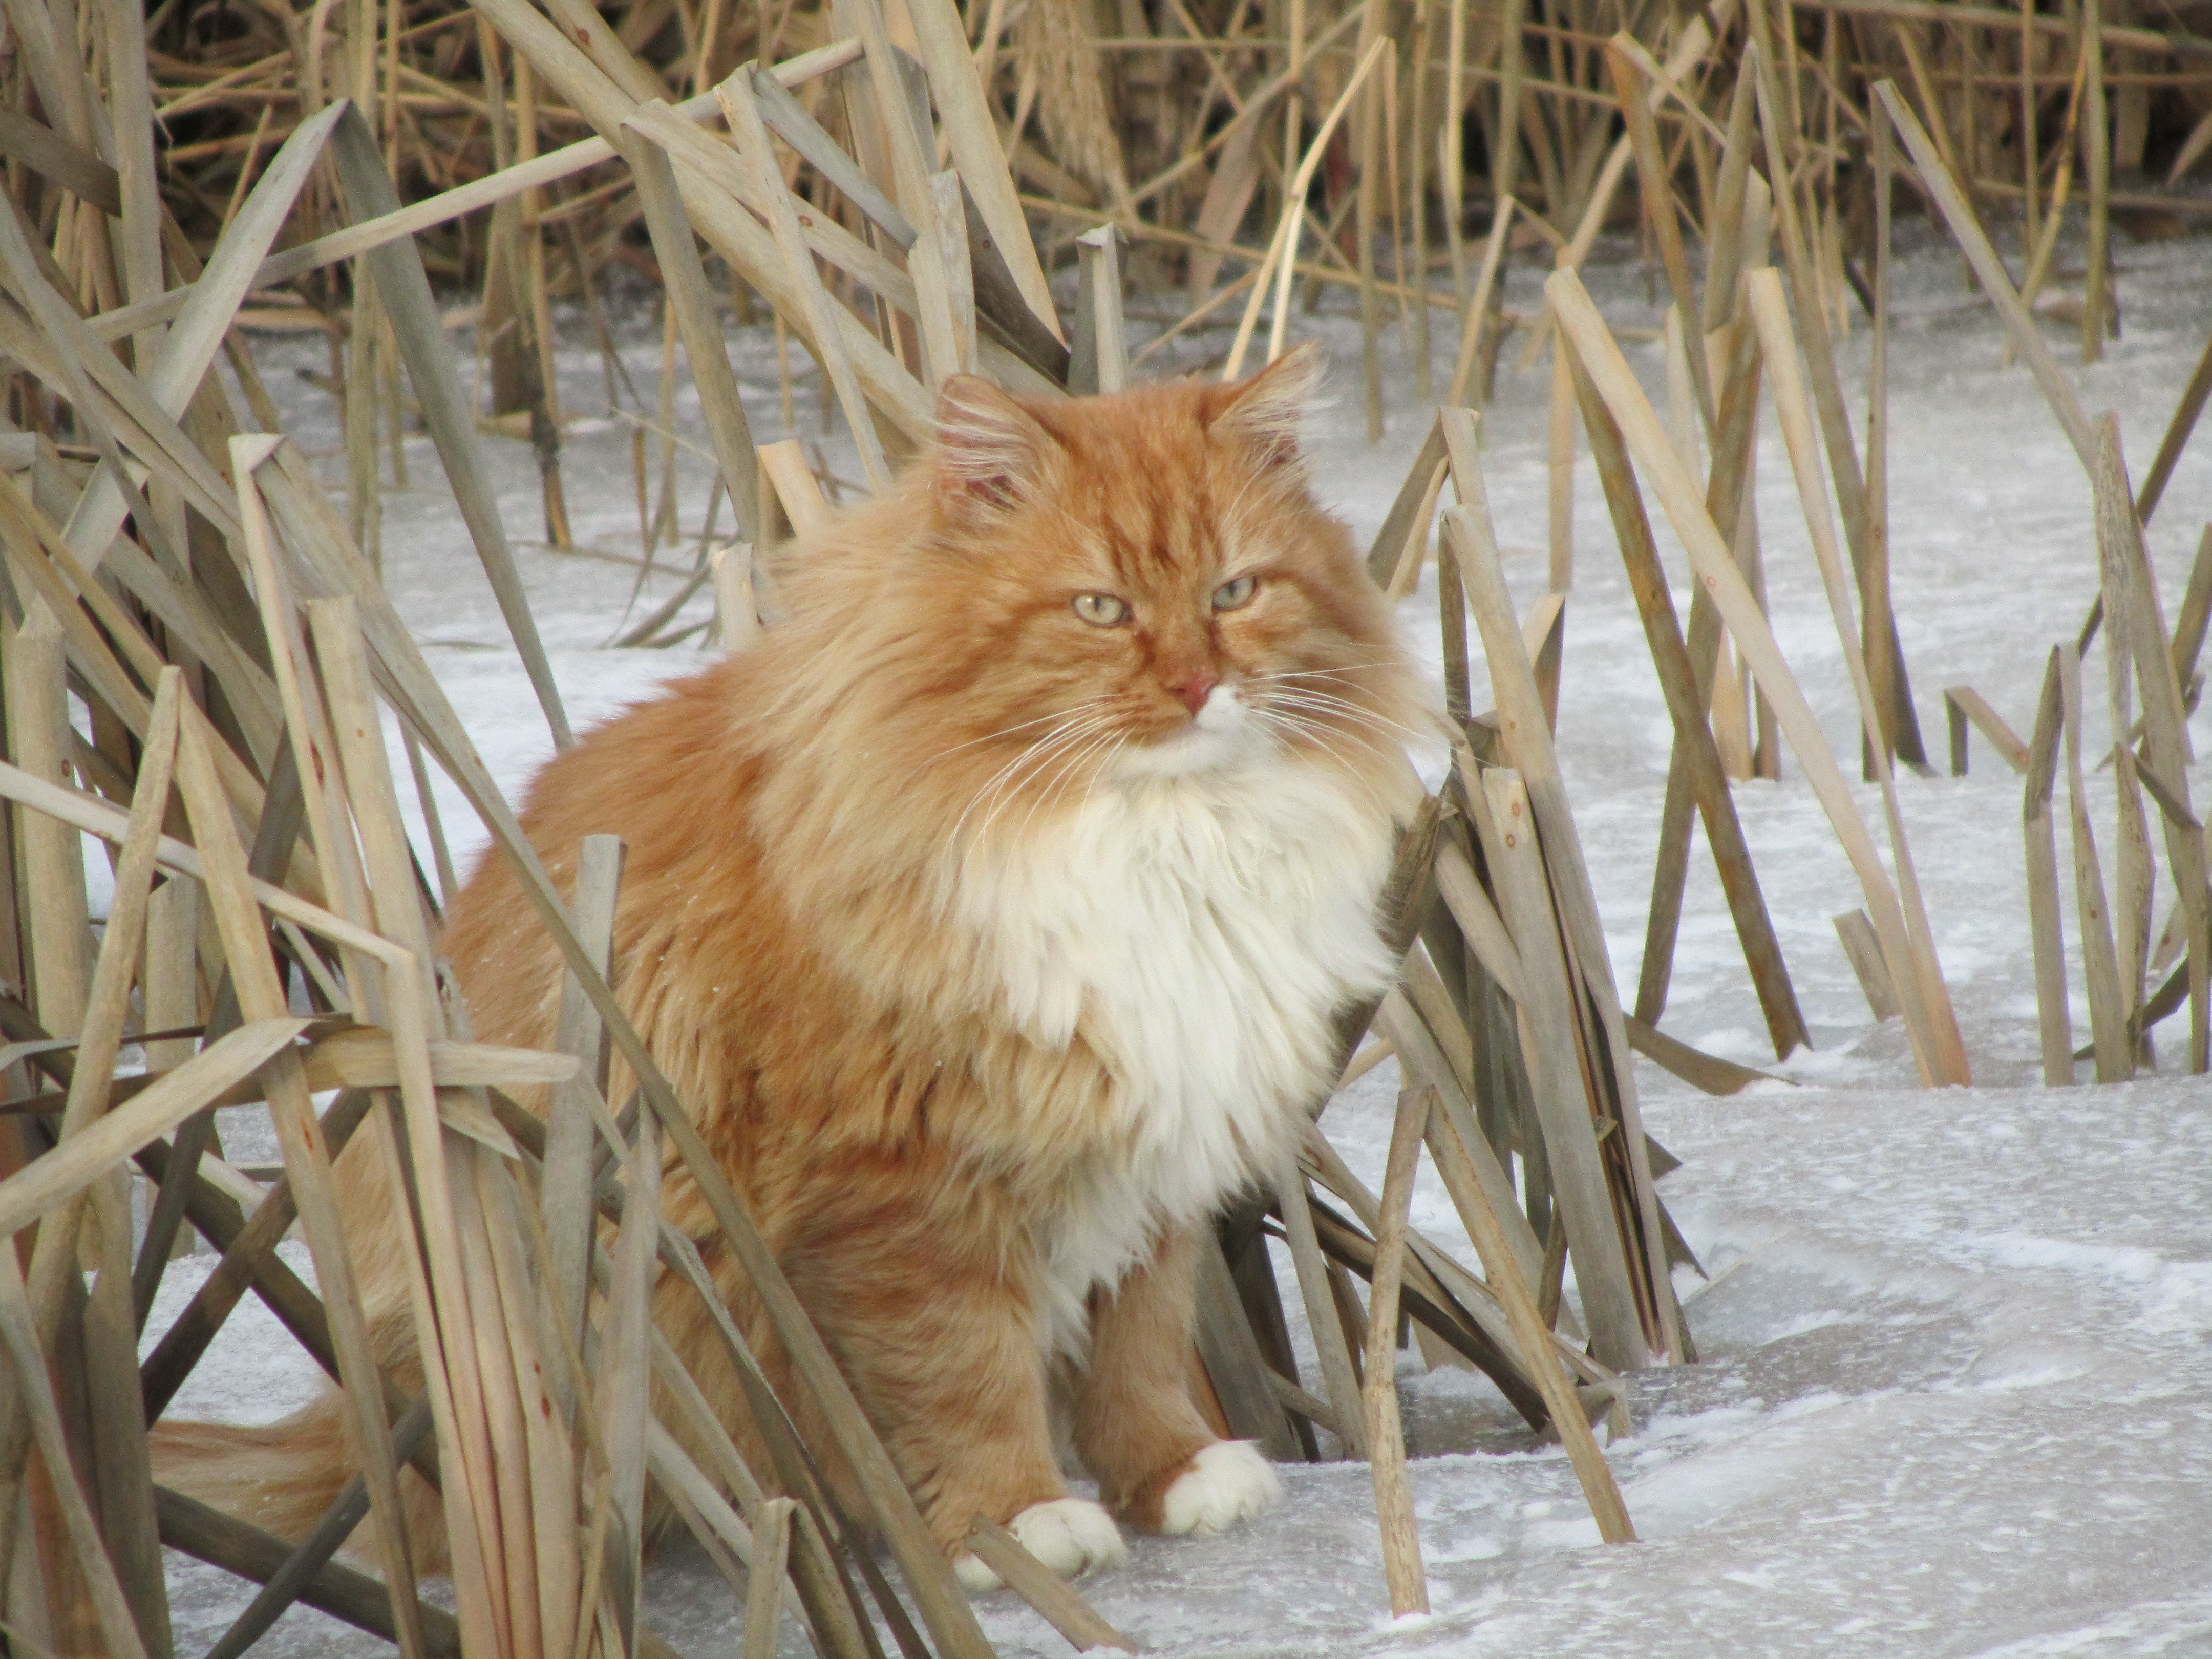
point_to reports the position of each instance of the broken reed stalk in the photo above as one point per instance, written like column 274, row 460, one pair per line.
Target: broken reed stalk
column 1771, row 317
column 1647, row 1322
column 2053, row 1022
column 1340, row 1379
column 2114, row 1052
column 1043, row 1589
column 1695, row 745
column 1532, row 1337
column 1393, row 1495
column 1932, row 1028
column 2137, row 649
column 1279, row 259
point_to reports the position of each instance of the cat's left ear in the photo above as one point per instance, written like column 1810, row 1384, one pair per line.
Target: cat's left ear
column 988, row 447
column 1266, row 409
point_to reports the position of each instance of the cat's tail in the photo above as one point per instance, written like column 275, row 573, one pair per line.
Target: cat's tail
column 282, row 1476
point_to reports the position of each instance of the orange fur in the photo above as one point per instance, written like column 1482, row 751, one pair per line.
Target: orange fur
column 817, row 831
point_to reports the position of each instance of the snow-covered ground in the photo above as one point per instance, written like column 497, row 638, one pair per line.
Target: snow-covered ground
column 1956, row 1392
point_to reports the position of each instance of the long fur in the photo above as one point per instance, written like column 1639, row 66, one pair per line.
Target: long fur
column 993, row 948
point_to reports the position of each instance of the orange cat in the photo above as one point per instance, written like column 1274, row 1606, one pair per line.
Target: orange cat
column 991, row 913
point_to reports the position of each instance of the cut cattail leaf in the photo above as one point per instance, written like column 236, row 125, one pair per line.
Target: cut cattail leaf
column 1963, row 706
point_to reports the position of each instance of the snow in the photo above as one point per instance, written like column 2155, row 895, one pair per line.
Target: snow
column 1955, row 1394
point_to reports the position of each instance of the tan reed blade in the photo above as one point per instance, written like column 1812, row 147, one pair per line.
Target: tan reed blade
column 1771, row 316
column 1963, row 706
column 2053, row 1022
column 1863, row 952
column 1939, row 1059
column 1697, row 753
column 1044, row 1590
column 1339, row 1377
column 2136, row 647
column 1393, row 1496
column 1640, row 1317
column 1504, row 1275
column 2108, row 1012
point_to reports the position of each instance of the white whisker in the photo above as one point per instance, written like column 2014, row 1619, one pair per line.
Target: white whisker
column 1322, row 703
column 1023, row 725
column 1068, row 766
column 1061, row 743
column 1320, row 737
column 1035, row 755
column 1338, row 673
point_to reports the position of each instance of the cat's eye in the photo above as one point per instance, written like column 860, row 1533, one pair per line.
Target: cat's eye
column 1101, row 610
column 1232, row 594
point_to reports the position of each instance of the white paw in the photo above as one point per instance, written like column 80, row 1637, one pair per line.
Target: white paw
column 975, row 1577
column 1071, row 1535
column 1230, row 1482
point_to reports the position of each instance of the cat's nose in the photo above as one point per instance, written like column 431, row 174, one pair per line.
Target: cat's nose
column 1192, row 689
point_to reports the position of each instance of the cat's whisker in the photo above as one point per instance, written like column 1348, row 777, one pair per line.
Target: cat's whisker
column 1321, row 702
column 1300, row 682
column 1023, row 725
column 1342, row 670
column 1317, row 697
column 1288, row 689
column 1035, row 755
column 1042, row 791
column 991, row 785
column 1104, row 765
column 1321, row 739
column 1331, row 716
column 1352, row 719
column 1286, row 721
column 1290, row 732
column 1107, row 740
column 1003, row 783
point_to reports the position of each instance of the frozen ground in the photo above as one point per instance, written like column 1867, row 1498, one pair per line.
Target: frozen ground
column 1956, row 1392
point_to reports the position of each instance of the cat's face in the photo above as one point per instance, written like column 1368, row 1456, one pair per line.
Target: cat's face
column 1147, row 589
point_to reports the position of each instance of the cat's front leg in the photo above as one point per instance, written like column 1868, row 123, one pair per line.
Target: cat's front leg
column 930, row 1311
column 1160, row 1467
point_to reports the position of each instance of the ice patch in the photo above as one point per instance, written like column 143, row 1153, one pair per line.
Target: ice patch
column 2025, row 1250
column 2180, row 1300
column 2028, row 1365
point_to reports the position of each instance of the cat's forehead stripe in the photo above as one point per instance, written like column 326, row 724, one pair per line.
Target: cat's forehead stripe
column 1157, row 528
column 1154, row 486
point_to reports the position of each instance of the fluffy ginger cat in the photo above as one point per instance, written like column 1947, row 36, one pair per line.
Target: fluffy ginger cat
column 991, row 913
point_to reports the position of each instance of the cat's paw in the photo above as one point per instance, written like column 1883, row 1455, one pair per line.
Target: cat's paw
column 1227, row 1482
column 1071, row 1535
column 975, row 1577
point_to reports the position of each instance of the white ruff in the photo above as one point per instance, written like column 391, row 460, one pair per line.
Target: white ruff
column 1199, row 928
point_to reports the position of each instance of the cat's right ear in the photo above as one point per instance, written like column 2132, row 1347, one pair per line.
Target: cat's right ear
column 988, row 447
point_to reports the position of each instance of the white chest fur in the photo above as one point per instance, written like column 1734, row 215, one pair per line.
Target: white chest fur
column 1199, row 931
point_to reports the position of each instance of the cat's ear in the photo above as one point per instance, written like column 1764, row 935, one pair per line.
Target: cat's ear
column 1267, row 408
column 988, row 447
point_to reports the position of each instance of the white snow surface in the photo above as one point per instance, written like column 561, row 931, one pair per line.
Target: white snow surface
column 1955, row 1394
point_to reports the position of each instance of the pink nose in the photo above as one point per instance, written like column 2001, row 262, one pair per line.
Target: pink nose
column 1192, row 689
